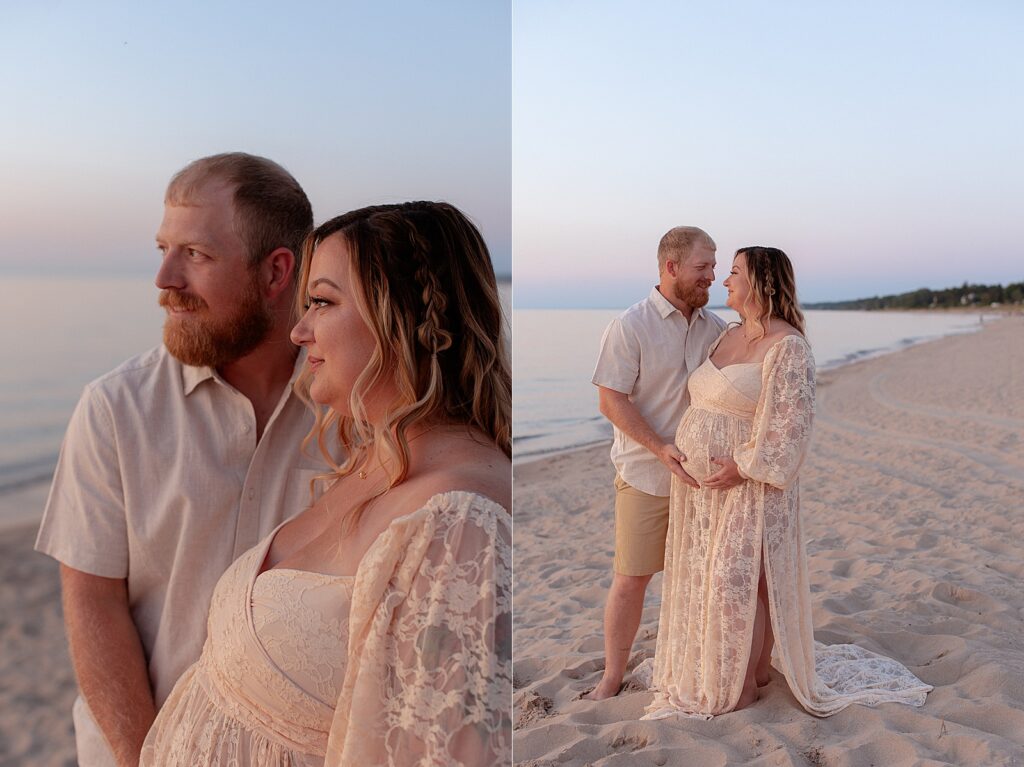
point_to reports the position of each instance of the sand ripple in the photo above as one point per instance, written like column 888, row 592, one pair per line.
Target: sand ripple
column 911, row 507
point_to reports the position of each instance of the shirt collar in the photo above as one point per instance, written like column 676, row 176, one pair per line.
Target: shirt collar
column 192, row 376
column 665, row 307
column 662, row 304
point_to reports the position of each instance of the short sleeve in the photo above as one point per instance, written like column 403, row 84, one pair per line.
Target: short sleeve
column 431, row 683
column 84, row 521
column 618, row 363
column 782, row 421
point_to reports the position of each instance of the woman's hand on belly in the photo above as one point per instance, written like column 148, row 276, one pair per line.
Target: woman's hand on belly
column 726, row 477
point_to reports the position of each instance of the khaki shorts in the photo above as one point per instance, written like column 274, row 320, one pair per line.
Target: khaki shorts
column 641, row 524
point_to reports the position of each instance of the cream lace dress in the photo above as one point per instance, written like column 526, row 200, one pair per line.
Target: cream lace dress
column 760, row 414
column 406, row 663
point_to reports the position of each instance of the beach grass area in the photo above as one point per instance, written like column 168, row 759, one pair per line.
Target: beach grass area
column 911, row 509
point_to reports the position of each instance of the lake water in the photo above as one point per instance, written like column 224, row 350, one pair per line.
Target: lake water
column 555, row 404
column 59, row 334
column 56, row 336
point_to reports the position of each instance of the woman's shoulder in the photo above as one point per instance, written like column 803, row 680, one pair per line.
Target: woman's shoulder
column 779, row 328
column 455, row 490
column 466, row 518
column 782, row 332
column 458, row 506
column 788, row 347
column 462, row 522
column 795, row 339
column 460, row 491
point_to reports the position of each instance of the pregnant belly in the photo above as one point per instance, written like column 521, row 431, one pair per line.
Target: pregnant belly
column 703, row 435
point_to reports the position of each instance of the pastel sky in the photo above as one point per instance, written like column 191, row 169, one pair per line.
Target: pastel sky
column 363, row 102
column 879, row 144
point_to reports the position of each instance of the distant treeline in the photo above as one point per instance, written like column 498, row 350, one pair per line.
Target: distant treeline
column 965, row 295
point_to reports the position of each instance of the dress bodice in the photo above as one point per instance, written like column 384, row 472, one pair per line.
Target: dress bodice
column 269, row 661
column 733, row 389
column 722, row 407
column 301, row 620
column 382, row 667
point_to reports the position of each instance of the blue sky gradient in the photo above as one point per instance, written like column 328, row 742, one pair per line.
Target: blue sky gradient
column 879, row 144
column 362, row 102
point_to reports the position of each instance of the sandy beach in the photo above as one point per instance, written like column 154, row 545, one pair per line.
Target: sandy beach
column 37, row 685
column 912, row 511
column 915, row 537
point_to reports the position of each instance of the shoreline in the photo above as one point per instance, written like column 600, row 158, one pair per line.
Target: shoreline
column 23, row 506
column 1010, row 310
column 822, row 373
column 910, row 499
column 912, row 517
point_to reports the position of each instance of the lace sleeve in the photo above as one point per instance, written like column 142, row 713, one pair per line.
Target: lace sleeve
column 429, row 679
column 782, row 422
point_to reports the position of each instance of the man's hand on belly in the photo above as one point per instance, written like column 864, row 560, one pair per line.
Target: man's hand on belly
column 670, row 456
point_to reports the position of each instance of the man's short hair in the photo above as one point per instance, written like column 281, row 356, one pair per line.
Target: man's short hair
column 678, row 244
column 271, row 210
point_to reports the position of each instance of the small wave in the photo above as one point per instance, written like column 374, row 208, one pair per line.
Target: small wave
column 903, row 343
column 583, row 433
column 529, row 437
column 552, row 426
column 16, row 475
column 855, row 356
column 519, row 456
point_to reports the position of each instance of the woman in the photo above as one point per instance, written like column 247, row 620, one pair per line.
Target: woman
column 374, row 627
column 735, row 578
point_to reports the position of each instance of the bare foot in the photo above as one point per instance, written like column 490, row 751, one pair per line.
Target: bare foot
column 747, row 697
column 605, row 689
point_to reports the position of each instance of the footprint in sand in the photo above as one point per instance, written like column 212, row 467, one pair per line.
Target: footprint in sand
column 584, row 669
column 629, row 743
column 841, row 569
column 534, row 708
column 959, row 596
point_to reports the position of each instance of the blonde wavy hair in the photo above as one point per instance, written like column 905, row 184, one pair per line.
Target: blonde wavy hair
column 772, row 288
column 427, row 292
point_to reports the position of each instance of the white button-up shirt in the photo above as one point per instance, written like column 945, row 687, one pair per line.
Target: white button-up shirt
column 161, row 481
column 648, row 352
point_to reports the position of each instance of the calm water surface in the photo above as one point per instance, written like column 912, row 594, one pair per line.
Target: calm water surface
column 555, row 405
column 57, row 335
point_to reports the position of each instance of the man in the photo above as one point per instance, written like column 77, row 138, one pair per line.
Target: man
column 186, row 456
column 647, row 354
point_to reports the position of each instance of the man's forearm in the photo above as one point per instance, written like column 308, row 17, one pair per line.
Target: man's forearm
column 627, row 418
column 109, row 661
column 617, row 408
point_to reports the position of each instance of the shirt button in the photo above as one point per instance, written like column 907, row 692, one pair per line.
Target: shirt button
column 252, row 494
column 246, row 428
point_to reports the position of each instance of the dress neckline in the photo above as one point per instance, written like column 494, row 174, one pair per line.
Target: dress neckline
column 264, row 548
column 310, row 573
column 767, row 352
column 253, row 572
column 732, row 364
